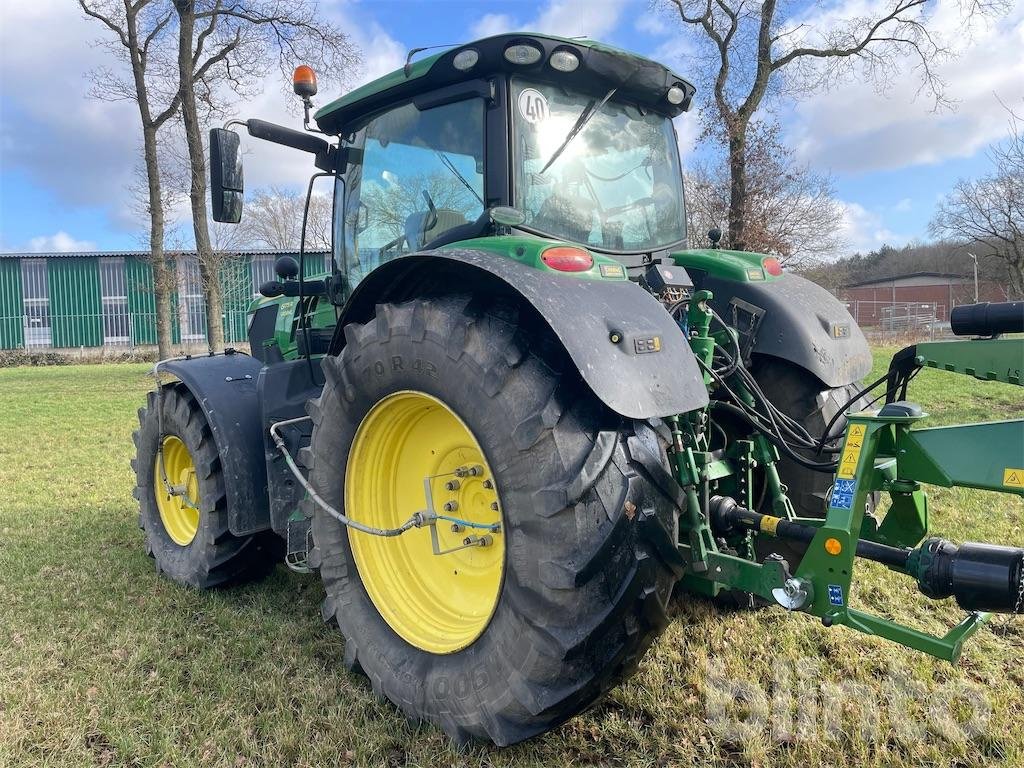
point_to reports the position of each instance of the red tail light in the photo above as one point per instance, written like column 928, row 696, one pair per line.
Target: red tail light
column 567, row 259
column 772, row 266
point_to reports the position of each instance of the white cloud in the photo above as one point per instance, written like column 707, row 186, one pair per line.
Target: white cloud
column 863, row 230
column 59, row 242
column 567, row 18
column 855, row 128
column 492, row 24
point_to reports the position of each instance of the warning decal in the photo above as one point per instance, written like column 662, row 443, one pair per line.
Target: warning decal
column 842, row 494
column 1013, row 478
column 851, row 452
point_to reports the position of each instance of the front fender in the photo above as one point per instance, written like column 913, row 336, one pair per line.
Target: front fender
column 648, row 372
column 225, row 386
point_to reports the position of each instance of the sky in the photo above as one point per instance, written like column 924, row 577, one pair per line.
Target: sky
column 66, row 160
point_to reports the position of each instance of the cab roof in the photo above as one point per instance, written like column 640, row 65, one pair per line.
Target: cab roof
column 639, row 80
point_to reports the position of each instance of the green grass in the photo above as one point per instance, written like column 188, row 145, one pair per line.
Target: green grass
column 104, row 663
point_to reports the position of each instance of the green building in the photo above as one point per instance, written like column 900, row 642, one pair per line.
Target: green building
column 105, row 298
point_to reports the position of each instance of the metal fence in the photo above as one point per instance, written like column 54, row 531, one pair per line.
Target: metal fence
column 116, row 328
column 899, row 318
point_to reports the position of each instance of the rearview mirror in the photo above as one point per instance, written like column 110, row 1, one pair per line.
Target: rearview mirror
column 226, row 186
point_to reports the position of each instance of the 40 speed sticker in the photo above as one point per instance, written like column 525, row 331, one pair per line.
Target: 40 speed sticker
column 533, row 106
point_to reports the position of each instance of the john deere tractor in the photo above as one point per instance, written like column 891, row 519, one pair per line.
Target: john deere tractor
column 517, row 412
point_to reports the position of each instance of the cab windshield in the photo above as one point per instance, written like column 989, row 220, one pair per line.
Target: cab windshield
column 616, row 186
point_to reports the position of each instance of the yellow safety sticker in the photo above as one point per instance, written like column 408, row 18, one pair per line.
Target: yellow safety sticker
column 1013, row 478
column 851, row 453
column 769, row 524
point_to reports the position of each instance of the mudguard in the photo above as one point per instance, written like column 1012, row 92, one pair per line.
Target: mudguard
column 225, row 386
column 796, row 320
column 628, row 349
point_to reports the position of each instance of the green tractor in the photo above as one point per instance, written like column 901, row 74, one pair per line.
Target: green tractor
column 517, row 413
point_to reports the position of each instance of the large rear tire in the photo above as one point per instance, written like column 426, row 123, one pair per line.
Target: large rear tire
column 584, row 502
column 803, row 397
column 187, row 534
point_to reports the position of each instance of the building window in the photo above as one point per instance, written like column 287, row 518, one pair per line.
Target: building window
column 114, row 293
column 262, row 270
column 191, row 310
column 36, row 297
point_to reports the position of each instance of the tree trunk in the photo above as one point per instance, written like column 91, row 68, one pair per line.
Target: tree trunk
column 737, row 187
column 212, row 293
column 161, row 275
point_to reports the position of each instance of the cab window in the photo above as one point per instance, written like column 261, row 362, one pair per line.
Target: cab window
column 422, row 174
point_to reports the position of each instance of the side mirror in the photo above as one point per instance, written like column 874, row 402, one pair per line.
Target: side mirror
column 226, row 185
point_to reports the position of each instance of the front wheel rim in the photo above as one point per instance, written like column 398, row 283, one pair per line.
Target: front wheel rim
column 179, row 505
column 437, row 603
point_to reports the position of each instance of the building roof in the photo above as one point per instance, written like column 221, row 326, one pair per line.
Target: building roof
column 140, row 254
column 906, row 276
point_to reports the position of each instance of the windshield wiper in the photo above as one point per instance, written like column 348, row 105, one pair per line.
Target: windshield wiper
column 592, row 108
column 455, row 171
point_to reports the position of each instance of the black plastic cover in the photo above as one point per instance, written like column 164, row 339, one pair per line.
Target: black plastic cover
column 988, row 319
column 225, row 386
column 627, row 347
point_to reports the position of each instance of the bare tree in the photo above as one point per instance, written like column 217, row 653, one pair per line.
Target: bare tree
column 229, row 46
column 140, row 32
column 273, row 219
column 988, row 212
column 791, row 211
column 751, row 53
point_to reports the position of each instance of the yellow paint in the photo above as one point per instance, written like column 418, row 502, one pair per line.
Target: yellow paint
column 657, row 343
column 769, row 524
column 178, row 512
column 833, row 546
column 851, row 452
column 1013, row 478
column 438, row 603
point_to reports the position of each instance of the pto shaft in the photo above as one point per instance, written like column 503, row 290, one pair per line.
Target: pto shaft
column 981, row 577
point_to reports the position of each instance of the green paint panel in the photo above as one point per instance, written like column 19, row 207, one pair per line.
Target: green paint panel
column 141, row 300
column 236, row 283
column 738, row 266
column 76, row 311
column 12, row 332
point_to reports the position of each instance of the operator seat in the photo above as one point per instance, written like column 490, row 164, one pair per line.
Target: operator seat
column 446, row 219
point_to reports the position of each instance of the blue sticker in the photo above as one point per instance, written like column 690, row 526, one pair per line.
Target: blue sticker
column 835, row 594
column 842, row 500
column 845, row 486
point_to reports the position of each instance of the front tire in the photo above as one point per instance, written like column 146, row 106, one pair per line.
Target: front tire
column 581, row 496
column 187, row 534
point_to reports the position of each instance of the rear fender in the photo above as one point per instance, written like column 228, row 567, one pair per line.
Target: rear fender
column 226, row 388
column 648, row 372
column 795, row 320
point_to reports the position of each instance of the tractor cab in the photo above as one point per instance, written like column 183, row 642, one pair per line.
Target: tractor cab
column 575, row 136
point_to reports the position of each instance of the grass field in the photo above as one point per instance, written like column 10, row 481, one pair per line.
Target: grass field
column 104, row 663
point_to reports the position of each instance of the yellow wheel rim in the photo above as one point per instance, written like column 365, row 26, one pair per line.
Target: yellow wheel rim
column 179, row 516
column 438, row 603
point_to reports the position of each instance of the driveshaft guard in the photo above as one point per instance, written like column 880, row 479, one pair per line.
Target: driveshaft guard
column 626, row 346
column 796, row 320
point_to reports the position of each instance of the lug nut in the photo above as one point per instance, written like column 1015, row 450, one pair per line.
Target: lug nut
column 451, row 506
column 494, row 506
column 456, row 528
column 489, row 484
column 452, row 485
